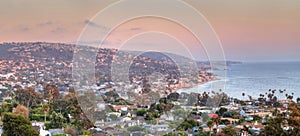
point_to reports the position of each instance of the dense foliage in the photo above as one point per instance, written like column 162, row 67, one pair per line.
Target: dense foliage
column 18, row 125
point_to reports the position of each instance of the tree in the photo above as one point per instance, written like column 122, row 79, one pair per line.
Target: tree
column 294, row 117
column 222, row 111
column 274, row 125
column 18, row 125
column 7, row 107
column 113, row 117
column 148, row 117
column 243, row 94
column 187, row 124
column 59, row 105
column 21, row 110
column 229, row 131
column 72, row 107
column 141, row 112
column 156, row 115
column 217, row 121
column 179, row 113
column 210, row 124
column 51, row 92
column 111, row 96
column 57, row 120
column 173, row 96
column 45, row 110
column 27, row 97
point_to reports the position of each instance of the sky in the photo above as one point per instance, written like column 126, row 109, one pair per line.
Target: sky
column 249, row 30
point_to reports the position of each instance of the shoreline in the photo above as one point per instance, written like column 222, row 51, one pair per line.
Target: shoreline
column 180, row 90
column 197, row 85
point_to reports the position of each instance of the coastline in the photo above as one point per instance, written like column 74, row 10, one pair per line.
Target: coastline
column 254, row 79
column 196, row 88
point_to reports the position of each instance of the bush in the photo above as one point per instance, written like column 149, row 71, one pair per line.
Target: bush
column 257, row 118
column 141, row 112
column 229, row 131
column 187, row 124
column 57, row 120
column 71, row 131
column 39, row 117
column 38, row 110
column 47, row 125
column 18, row 125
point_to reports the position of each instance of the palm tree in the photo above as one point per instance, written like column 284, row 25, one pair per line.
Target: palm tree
column 250, row 97
column 46, row 110
column 274, row 99
column 217, row 121
column 280, row 91
column 270, row 96
column 275, row 112
column 290, row 97
column 156, row 115
column 243, row 94
column 273, row 91
column 210, row 124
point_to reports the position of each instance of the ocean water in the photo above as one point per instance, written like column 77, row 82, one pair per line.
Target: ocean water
column 254, row 78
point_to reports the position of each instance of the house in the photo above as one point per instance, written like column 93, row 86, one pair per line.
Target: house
column 99, row 123
column 261, row 114
column 108, row 129
column 131, row 107
column 285, row 103
column 56, row 131
column 205, row 110
column 121, row 134
column 170, row 117
column 100, row 106
column 130, row 123
column 124, row 108
column 98, row 132
column 117, row 108
column 125, row 119
column 242, row 112
column 118, row 114
column 131, row 114
column 39, row 126
column 157, row 128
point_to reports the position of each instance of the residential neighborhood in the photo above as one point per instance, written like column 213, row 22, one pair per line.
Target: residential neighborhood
column 38, row 88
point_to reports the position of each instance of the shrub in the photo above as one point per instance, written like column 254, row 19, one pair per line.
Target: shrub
column 39, row 117
column 18, row 125
column 141, row 112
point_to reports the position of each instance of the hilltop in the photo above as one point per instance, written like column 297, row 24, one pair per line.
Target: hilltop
column 39, row 63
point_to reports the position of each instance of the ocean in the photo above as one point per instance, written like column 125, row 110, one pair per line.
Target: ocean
column 254, row 78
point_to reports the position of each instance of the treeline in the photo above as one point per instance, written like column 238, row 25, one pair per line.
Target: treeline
column 57, row 111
